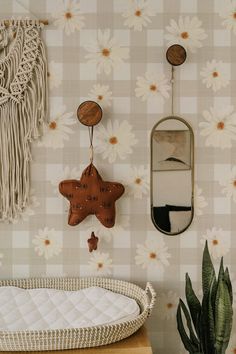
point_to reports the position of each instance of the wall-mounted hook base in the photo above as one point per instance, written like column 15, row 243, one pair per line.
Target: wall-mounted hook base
column 176, row 55
column 89, row 113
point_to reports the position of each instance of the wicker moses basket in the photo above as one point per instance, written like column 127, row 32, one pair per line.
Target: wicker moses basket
column 73, row 338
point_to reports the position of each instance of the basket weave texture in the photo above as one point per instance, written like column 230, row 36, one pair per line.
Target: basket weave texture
column 74, row 338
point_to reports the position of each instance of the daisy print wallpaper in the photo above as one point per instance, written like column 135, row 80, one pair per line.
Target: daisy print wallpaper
column 113, row 52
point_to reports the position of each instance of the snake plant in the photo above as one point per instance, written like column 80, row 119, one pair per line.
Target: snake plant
column 207, row 325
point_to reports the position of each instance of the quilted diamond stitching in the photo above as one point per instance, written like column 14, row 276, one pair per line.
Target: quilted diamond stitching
column 22, row 309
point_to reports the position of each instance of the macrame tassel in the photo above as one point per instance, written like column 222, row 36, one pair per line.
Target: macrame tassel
column 23, row 109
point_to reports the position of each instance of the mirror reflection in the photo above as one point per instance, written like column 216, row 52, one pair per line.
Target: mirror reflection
column 172, row 174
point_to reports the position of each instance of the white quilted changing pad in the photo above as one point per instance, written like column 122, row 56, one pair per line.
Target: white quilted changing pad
column 40, row 309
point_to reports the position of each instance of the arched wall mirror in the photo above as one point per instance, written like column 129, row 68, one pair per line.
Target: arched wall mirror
column 172, row 175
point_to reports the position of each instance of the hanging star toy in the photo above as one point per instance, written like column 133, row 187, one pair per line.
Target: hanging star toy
column 91, row 195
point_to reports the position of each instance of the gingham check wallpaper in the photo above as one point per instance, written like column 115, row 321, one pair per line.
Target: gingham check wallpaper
column 114, row 52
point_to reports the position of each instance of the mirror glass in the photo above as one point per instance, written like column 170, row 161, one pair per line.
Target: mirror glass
column 172, row 175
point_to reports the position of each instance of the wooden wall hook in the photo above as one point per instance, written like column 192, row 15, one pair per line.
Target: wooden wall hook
column 89, row 113
column 176, row 55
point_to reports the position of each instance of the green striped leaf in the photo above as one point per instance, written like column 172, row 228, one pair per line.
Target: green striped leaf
column 193, row 304
column 223, row 316
column 208, row 272
column 229, row 284
column 188, row 344
column 207, row 323
column 193, row 337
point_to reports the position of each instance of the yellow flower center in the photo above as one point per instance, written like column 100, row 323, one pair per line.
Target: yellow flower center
column 53, row 125
column 138, row 180
column 47, row 242
column 215, row 74
column 220, row 125
column 138, row 13
column 105, row 52
column 169, row 305
column 113, row 140
column 100, row 265
column 100, row 97
column 153, row 255
column 68, row 15
column 184, row 35
column 153, row 87
column 215, row 242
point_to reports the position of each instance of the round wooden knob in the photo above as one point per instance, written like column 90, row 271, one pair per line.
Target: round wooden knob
column 176, row 55
column 89, row 113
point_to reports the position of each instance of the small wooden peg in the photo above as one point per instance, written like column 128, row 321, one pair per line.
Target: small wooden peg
column 176, row 55
column 89, row 113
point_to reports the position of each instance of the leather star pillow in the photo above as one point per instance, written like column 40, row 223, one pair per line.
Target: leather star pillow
column 91, row 195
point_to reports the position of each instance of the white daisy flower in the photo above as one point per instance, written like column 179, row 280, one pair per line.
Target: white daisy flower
column 101, row 95
column 54, row 74
column 138, row 14
column 199, row 201
column 68, row 16
column 106, row 52
column 153, row 253
column 57, row 130
column 29, row 210
column 186, row 32
column 218, row 243
column 229, row 184
column 168, row 303
column 151, row 86
column 116, row 140
column 228, row 12
column 100, row 263
column 91, row 223
column 214, row 75
column 138, row 182
column 220, row 127
column 1, row 257
column 47, row 243
column 67, row 173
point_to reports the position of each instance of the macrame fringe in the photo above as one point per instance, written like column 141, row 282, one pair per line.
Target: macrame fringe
column 20, row 22
column 23, row 109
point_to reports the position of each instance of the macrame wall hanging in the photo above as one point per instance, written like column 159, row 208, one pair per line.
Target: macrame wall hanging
column 91, row 195
column 23, row 109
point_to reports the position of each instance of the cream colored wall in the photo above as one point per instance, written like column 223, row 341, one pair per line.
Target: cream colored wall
column 125, row 250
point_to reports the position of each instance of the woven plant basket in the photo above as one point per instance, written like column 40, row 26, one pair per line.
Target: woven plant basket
column 74, row 338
